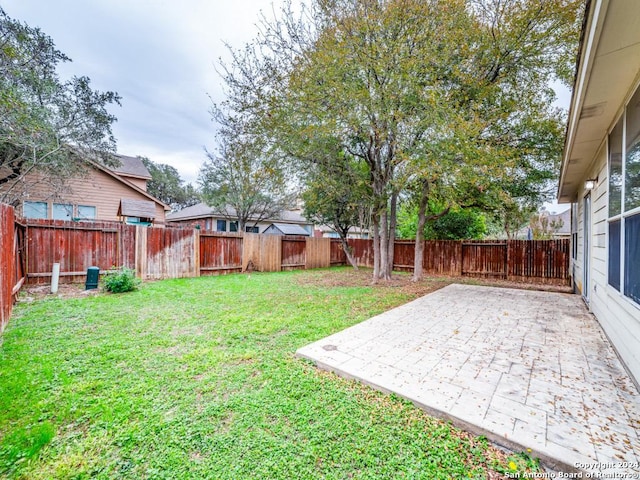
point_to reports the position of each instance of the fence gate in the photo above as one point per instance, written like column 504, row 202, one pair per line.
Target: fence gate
column 485, row 258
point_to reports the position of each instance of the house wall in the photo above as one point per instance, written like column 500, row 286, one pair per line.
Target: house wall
column 96, row 188
column 210, row 224
column 618, row 315
column 138, row 182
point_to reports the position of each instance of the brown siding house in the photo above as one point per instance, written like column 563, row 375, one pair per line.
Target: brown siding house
column 99, row 194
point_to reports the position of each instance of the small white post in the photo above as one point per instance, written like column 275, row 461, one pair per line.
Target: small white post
column 55, row 276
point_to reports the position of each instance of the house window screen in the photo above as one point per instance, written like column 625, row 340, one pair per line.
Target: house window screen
column 614, row 254
column 221, row 226
column 574, row 231
column 615, row 169
column 62, row 211
column 86, row 212
column 35, row 209
column 632, row 257
column 632, row 157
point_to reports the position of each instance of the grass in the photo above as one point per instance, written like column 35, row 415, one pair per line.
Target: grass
column 196, row 378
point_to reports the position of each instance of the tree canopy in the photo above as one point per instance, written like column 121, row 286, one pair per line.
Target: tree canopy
column 46, row 123
column 240, row 180
column 168, row 187
column 438, row 99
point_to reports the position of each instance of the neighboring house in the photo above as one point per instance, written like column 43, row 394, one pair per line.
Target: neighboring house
column 207, row 218
column 118, row 194
column 600, row 173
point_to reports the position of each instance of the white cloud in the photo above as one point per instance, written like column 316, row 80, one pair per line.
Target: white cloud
column 159, row 55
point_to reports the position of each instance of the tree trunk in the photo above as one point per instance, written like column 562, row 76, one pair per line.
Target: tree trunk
column 385, row 273
column 346, row 248
column 376, row 246
column 419, row 248
column 393, row 223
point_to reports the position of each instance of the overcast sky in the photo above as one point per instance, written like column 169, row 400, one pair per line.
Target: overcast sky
column 159, row 55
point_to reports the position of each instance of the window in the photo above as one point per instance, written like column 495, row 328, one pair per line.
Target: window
column 615, row 170
column 221, row 226
column 574, row 231
column 632, row 257
column 233, row 226
column 62, row 211
column 35, row 210
column 252, row 229
column 624, row 202
column 145, row 222
column 614, row 254
column 632, row 155
column 86, row 212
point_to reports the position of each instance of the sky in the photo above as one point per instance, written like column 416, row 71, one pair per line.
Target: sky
column 161, row 57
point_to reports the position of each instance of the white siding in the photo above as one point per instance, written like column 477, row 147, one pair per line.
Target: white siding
column 619, row 316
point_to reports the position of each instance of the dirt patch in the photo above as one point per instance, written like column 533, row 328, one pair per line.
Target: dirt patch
column 402, row 281
column 30, row 293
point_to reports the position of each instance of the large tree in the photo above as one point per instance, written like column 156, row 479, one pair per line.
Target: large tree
column 46, row 124
column 239, row 180
column 167, row 185
column 430, row 94
column 359, row 72
column 507, row 136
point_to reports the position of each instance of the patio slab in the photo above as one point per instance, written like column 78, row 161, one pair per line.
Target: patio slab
column 528, row 369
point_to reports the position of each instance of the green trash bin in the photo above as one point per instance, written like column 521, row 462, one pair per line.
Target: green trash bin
column 93, row 275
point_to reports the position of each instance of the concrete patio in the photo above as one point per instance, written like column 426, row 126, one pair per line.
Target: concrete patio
column 528, row 369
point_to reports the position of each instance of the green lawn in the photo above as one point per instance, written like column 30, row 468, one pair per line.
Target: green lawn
column 196, row 378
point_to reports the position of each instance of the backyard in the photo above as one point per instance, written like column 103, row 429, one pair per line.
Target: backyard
column 196, row 378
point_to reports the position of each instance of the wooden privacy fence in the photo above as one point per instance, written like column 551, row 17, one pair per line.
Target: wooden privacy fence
column 157, row 253
column 533, row 261
column 28, row 250
column 12, row 266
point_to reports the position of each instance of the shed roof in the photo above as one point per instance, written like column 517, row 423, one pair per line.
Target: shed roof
column 137, row 208
column 289, row 229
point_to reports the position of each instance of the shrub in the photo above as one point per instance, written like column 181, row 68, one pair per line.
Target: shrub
column 120, row 281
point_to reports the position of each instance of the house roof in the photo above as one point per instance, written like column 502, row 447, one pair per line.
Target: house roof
column 289, row 229
column 607, row 68
column 198, row 210
column 129, row 184
column 137, row 208
column 202, row 210
column 132, row 167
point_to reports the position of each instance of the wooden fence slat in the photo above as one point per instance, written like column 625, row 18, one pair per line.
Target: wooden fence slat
column 318, row 252
column 220, row 253
column 294, row 252
column 8, row 253
column 338, row 257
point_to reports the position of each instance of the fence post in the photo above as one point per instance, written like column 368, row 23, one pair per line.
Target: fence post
column 141, row 252
column 196, row 250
